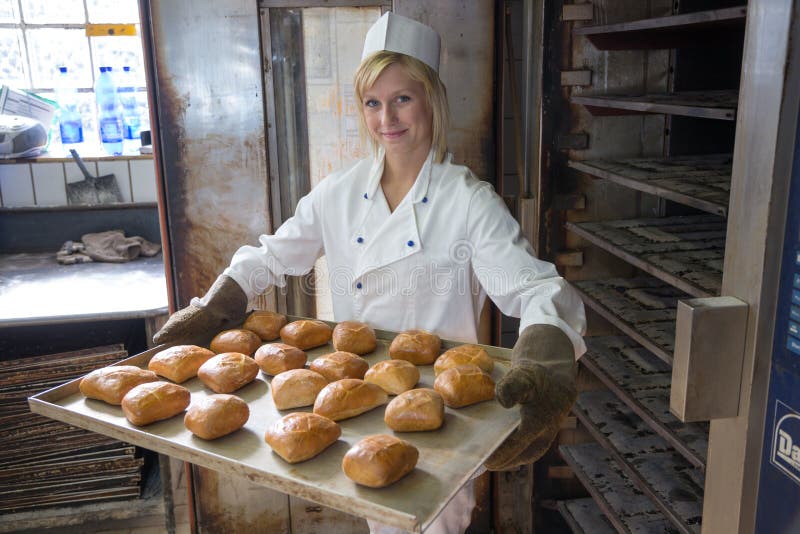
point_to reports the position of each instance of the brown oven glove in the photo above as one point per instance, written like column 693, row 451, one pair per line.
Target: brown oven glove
column 225, row 307
column 542, row 382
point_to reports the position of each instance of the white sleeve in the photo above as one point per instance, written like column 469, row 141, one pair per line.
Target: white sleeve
column 290, row 251
column 517, row 282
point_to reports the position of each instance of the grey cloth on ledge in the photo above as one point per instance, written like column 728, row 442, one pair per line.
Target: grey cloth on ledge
column 111, row 246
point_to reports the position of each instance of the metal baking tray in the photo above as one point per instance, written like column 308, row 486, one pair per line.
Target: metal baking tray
column 448, row 456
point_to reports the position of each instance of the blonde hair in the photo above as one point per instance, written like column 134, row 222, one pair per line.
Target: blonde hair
column 372, row 67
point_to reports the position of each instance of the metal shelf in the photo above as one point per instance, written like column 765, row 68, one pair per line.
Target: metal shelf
column 702, row 28
column 673, row 484
column 624, row 506
column 686, row 252
column 702, row 182
column 642, row 382
column 584, row 517
column 720, row 105
column 643, row 308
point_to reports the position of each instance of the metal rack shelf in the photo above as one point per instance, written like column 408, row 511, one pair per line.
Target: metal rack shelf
column 696, row 29
column 624, row 506
column 673, row 484
column 702, row 182
column 720, row 105
column 643, row 308
column 642, row 382
column 686, row 252
column 584, row 517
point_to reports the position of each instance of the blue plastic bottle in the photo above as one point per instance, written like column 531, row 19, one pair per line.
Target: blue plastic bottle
column 69, row 118
column 130, row 107
column 109, row 117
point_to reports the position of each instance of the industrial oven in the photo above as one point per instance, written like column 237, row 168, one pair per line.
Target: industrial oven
column 647, row 147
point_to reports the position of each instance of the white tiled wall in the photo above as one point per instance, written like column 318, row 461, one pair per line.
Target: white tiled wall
column 45, row 184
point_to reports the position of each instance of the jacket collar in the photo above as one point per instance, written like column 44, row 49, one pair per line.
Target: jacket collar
column 420, row 188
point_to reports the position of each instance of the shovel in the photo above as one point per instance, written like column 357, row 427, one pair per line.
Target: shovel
column 100, row 190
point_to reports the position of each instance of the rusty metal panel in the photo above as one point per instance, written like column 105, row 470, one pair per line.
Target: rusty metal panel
column 225, row 503
column 309, row 517
column 624, row 506
column 672, row 483
column 467, row 68
column 211, row 142
column 686, row 252
column 641, row 307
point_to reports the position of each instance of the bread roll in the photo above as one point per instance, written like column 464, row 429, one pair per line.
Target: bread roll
column 154, row 401
column 236, row 340
column 355, row 337
column 394, row 376
column 265, row 324
column 463, row 385
column 415, row 410
column 216, row 415
column 275, row 358
column 110, row 384
column 296, row 388
column 300, row 436
column 306, row 334
column 227, row 372
column 379, row 460
column 338, row 365
column 347, row 398
column 416, row 346
column 463, row 354
column 179, row 363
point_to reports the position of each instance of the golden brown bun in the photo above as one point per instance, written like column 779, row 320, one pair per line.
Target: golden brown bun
column 227, row 372
column 348, row 398
column 415, row 410
column 300, row 436
column 416, row 346
column 394, row 376
column 154, row 401
column 338, row 365
column 216, row 415
column 296, row 388
column 110, row 384
column 461, row 355
column 355, row 337
column 306, row 334
column 463, row 385
column 236, row 340
column 179, row 363
column 275, row 358
column 379, row 460
column 266, row 324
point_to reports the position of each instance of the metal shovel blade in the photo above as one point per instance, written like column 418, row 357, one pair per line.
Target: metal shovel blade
column 92, row 190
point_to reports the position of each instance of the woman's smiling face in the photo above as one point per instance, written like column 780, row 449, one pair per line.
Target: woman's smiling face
column 397, row 113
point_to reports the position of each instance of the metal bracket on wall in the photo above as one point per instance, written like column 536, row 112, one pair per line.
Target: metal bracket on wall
column 576, row 77
column 569, row 258
column 573, row 141
column 572, row 12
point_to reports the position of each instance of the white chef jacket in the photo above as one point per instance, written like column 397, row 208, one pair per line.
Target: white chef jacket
column 428, row 264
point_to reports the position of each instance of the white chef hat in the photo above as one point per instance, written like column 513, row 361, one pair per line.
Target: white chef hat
column 396, row 33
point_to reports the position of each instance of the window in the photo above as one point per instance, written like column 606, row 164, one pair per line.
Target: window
column 38, row 36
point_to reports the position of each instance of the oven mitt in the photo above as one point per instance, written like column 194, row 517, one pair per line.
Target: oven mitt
column 113, row 247
column 542, row 382
column 223, row 307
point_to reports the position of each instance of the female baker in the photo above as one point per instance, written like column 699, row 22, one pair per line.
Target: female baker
column 415, row 241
